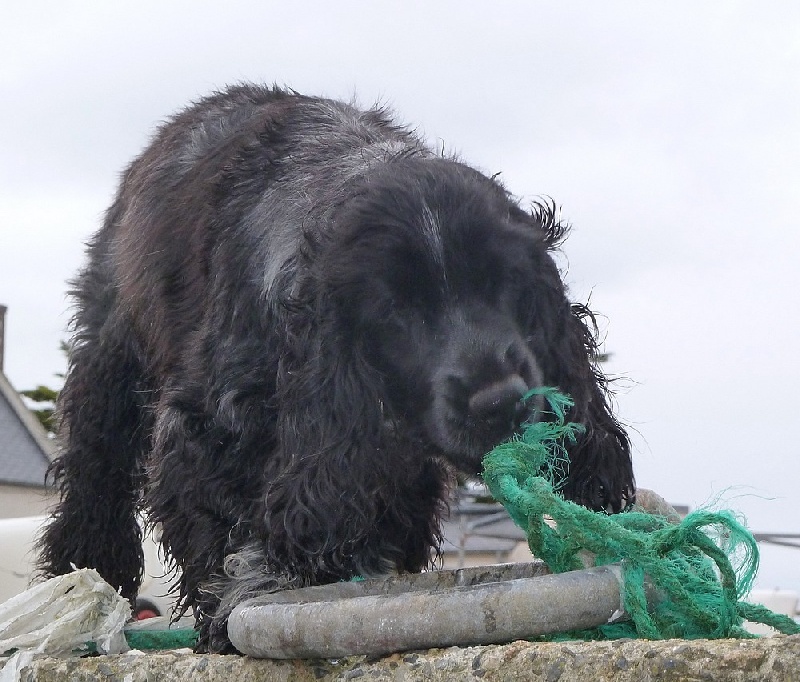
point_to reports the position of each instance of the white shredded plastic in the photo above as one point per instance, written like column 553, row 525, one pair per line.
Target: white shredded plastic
column 59, row 617
column 619, row 613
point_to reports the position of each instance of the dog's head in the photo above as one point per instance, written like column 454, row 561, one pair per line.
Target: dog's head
column 429, row 304
column 450, row 294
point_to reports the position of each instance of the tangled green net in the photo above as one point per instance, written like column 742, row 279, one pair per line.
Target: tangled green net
column 701, row 568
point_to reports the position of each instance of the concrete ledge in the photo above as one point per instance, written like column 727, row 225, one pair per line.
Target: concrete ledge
column 775, row 659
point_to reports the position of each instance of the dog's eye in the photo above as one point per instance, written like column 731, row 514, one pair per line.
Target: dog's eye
column 501, row 286
column 392, row 317
column 387, row 312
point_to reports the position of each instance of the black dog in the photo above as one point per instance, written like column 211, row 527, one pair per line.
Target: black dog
column 295, row 318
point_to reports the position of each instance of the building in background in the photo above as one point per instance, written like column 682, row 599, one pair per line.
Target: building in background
column 25, row 452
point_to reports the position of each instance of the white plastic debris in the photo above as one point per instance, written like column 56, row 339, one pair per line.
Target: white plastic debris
column 60, row 617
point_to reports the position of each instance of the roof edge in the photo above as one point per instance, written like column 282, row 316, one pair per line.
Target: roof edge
column 27, row 418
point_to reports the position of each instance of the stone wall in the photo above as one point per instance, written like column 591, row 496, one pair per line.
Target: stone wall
column 775, row 659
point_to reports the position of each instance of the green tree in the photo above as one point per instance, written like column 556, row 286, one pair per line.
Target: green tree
column 45, row 398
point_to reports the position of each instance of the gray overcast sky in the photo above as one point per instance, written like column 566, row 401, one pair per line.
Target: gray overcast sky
column 669, row 132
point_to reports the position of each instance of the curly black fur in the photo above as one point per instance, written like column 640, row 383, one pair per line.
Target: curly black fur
column 295, row 319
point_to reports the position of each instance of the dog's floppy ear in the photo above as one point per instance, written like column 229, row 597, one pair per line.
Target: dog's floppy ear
column 322, row 509
column 601, row 472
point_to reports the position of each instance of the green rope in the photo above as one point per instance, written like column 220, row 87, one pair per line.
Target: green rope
column 701, row 568
column 148, row 640
column 156, row 640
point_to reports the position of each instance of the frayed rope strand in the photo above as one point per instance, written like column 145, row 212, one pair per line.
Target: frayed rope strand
column 701, row 568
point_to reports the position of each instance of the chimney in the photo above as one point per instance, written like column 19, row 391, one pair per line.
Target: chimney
column 2, row 334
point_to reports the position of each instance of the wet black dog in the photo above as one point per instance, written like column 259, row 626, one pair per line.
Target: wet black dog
column 295, row 318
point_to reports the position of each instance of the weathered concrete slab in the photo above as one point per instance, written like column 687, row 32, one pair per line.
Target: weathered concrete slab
column 776, row 659
column 472, row 606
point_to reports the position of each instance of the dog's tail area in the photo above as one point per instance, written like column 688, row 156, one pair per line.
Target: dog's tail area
column 102, row 434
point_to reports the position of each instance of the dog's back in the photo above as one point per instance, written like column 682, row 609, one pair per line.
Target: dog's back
column 215, row 179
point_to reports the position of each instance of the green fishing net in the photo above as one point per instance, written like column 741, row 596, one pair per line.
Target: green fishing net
column 681, row 580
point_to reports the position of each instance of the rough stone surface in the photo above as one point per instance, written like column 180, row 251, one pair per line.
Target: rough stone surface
column 775, row 659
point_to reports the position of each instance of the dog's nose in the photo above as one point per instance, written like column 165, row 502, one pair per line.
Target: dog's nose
column 499, row 402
